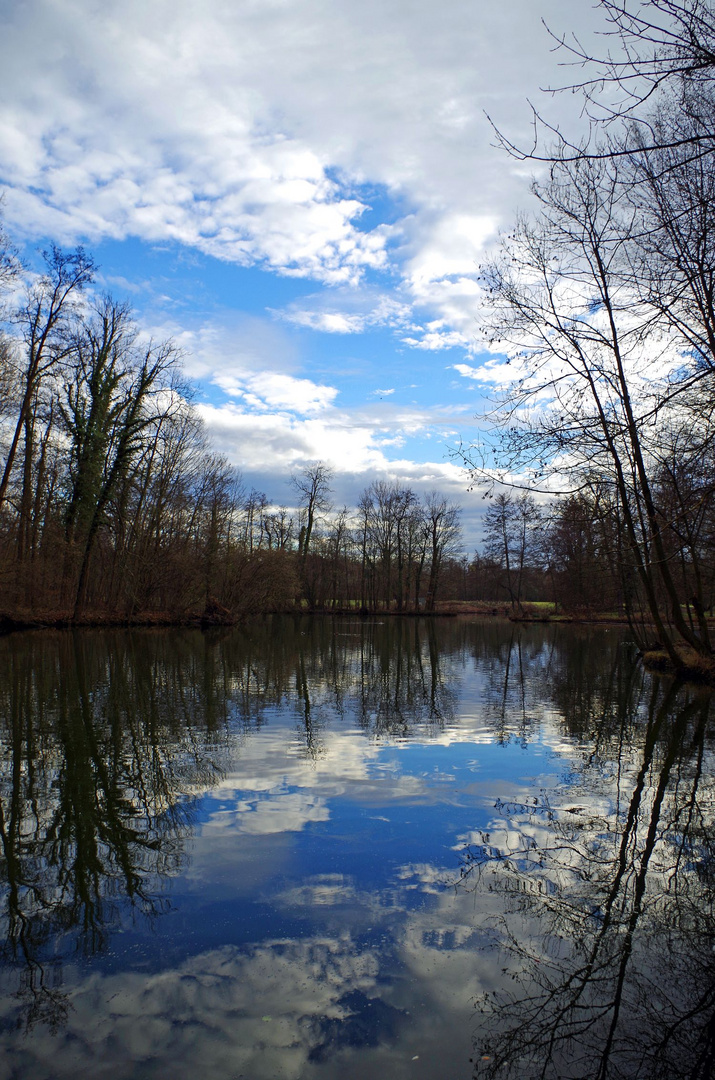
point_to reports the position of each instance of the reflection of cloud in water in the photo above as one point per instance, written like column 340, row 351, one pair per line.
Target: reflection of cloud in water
column 321, row 890
column 258, row 794
column 276, row 1010
column 257, row 791
column 274, row 812
column 425, row 877
column 391, row 960
column 262, row 1013
column 290, row 1008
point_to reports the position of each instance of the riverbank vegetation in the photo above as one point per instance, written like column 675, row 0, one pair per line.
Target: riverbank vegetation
column 114, row 507
column 604, row 303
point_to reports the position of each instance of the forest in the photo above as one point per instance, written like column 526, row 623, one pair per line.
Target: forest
column 113, row 505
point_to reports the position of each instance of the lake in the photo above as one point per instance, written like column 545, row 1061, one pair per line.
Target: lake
column 314, row 848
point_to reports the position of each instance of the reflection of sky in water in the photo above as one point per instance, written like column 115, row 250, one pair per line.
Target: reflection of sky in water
column 312, row 927
column 314, row 920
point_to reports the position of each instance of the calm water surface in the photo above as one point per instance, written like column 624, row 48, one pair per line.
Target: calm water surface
column 339, row 849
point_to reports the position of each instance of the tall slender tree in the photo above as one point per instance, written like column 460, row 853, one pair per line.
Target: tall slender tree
column 44, row 319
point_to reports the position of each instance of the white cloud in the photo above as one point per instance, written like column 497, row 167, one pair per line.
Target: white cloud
column 270, row 390
column 452, row 247
column 276, row 813
column 496, row 371
column 187, row 157
column 232, row 346
column 260, row 440
column 268, row 1008
column 277, row 421
column 247, row 131
column 331, row 322
column 469, row 372
column 318, row 139
column 348, row 311
column 436, row 339
column 269, row 446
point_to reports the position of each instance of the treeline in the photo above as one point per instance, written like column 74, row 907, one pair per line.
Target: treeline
column 572, row 553
column 604, row 302
column 113, row 503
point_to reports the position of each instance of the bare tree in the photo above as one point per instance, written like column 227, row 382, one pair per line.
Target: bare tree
column 580, row 551
column 313, row 488
column 338, row 551
column 278, row 527
column 44, row 319
column 564, row 297
column 138, row 397
column 604, row 929
column 9, row 272
column 511, row 535
column 254, row 508
column 654, row 48
column 444, row 534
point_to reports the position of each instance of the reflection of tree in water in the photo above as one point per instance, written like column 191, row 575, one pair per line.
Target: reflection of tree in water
column 105, row 737
column 532, row 670
column 401, row 680
column 397, row 676
column 98, row 759
column 391, row 677
column 509, row 670
column 609, row 924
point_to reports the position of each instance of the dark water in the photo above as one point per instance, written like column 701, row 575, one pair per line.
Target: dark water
column 317, row 849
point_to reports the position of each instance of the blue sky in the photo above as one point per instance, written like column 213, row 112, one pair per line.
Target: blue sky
column 300, row 194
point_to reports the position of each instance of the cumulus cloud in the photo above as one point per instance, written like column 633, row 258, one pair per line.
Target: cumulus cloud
column 348, row 441
column 469, row 372
column 263, row 133
column 451, row 247
column 340, row 143
column 268, row 390
column 178, row 159
column 268, row 446
column 495, row 371
column 434, row 338
column 276, row 420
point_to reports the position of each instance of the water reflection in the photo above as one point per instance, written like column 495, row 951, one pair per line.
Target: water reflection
column 107, row 737
column 94, row 802
column 236, row 852
column 607, row 928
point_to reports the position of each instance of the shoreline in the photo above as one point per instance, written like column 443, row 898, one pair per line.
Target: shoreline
column 694, row 668
column 62, row 620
